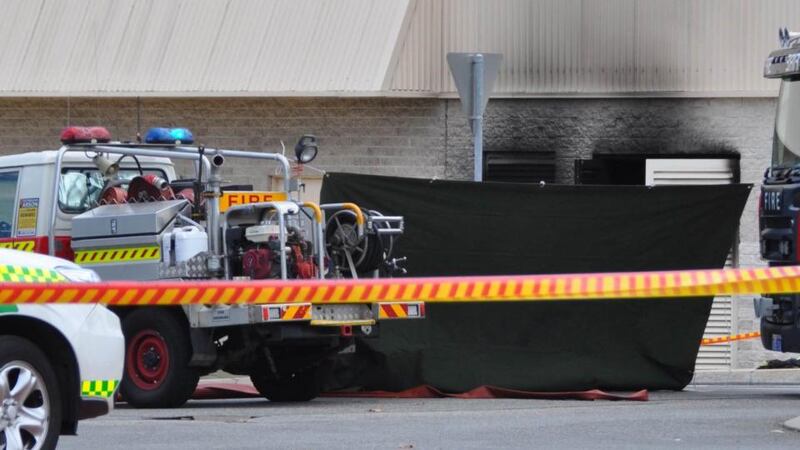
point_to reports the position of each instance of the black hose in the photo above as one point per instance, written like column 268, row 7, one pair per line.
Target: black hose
column 138, row 164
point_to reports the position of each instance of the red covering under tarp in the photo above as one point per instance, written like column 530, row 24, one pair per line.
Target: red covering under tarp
column 211, row 391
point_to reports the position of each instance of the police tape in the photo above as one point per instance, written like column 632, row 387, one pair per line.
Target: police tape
column 735, row 337
column 634, row 285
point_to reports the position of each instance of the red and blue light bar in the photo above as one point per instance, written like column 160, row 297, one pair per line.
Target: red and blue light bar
column 100, row 135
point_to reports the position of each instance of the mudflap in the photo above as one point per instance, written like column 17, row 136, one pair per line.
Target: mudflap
column 204, row 352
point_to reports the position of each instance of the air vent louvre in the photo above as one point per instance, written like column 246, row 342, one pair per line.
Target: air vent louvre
column 519, row 166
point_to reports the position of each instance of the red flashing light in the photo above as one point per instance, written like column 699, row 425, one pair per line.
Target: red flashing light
column 85, row 135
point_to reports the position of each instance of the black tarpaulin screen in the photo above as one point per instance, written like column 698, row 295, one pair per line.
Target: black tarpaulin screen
column 465, row 228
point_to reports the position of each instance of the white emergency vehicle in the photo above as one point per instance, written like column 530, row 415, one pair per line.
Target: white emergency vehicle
column 58, row 363
column 120, row 209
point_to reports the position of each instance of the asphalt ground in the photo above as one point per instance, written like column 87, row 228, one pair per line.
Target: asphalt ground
column 702, row 416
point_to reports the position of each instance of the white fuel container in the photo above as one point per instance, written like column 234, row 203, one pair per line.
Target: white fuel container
column 188, row 241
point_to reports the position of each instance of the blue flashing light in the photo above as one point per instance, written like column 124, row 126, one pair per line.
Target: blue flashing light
column 169, row 136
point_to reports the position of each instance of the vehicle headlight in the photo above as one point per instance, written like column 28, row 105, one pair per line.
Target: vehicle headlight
column 79, row 275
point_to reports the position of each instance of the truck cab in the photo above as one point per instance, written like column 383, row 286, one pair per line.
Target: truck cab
column 26, row 183
column 120, row 209
column 779, row 203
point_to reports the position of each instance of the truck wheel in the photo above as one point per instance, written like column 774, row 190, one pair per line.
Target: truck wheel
column 157, row 354
column 30, row 399
column 301, row 386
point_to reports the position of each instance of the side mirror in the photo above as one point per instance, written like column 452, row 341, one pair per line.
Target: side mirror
column 306, row 149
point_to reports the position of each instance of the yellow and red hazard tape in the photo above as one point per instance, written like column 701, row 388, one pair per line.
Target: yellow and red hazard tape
column 735, row 337
column 773, row 280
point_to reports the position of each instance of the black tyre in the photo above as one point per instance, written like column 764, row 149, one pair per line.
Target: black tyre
column 30, row 403
column 300, row 386
column 157, row 354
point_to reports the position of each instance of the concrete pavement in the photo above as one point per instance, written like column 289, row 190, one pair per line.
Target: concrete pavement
column 748, row 376
column 703, row 416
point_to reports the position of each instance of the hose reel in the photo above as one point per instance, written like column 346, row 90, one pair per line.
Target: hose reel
column 350, row 252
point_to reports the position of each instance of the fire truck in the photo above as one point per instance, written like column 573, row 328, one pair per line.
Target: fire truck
column 120, row 209
column 779, row 204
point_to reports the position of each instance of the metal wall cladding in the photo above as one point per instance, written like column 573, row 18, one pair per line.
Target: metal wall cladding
column 598, row 47
column 203, row 47
column 387, row 47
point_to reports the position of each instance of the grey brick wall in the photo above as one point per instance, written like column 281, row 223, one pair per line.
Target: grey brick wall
column 381, row 136
column 431, row 138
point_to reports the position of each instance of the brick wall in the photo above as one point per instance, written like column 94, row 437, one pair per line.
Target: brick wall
column 431, row 138
column 381, row 136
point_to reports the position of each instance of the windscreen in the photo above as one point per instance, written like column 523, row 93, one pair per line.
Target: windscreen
column 80, row 189
column 786, row 144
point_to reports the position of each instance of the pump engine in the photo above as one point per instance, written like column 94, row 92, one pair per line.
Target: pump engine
column 254, row 252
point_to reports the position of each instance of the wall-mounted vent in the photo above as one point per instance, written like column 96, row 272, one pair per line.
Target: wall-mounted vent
column 519, row 166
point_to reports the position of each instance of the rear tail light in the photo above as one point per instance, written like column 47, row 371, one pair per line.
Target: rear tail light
column 63, row 247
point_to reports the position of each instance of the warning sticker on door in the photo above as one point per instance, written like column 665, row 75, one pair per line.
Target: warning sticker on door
column 26, row 217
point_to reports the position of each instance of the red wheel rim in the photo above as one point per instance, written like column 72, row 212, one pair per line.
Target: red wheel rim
column 147, row 361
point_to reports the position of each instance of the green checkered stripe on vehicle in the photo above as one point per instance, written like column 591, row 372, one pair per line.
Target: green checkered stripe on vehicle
column 18, row 274
column 99, row 388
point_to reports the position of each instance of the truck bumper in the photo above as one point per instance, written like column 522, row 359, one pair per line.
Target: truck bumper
column 318, row 315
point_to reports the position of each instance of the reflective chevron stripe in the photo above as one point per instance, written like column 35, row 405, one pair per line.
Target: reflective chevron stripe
column 25, row 246
column 114, row 255
column 406, row 310
column 290, row 312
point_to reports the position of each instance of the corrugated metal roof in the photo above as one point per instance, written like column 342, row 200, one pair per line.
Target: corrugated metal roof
column 387, row 47
column 592, row 47
column 197, row 47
